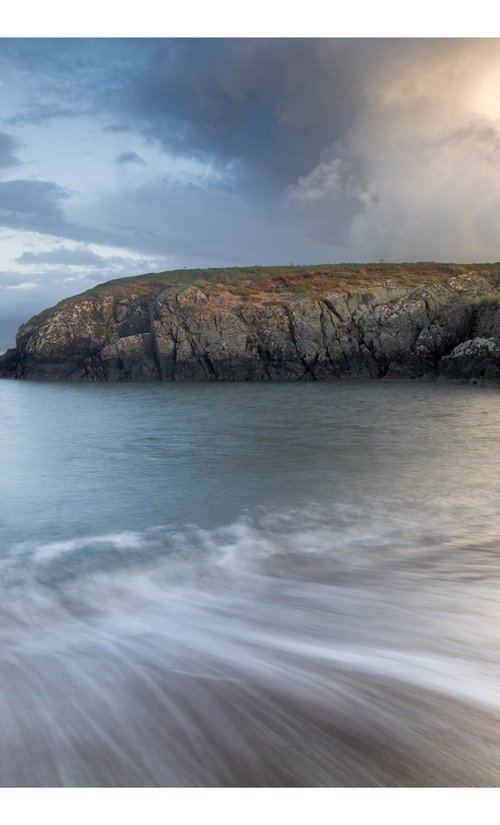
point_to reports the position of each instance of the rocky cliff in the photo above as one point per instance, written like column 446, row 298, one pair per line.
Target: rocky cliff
column 286, row 323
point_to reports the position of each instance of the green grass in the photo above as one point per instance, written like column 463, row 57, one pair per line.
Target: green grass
column 292, row 274
column 276, row 282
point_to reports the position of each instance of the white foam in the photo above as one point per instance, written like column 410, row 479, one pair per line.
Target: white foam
column 125, row 540
column 235, row 652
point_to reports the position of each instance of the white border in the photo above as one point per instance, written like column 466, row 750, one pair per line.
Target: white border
column 233, row 806
column 55, row 18
column 257, row 18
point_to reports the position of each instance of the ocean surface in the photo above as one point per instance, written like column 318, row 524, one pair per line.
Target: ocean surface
column 249, row 584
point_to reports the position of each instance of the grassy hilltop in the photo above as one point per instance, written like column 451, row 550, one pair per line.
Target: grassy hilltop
column 310, row 280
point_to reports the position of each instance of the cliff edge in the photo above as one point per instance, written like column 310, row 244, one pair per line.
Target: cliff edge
column 281, row 323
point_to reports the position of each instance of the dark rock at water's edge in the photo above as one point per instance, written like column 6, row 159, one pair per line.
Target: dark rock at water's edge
column 282, row 323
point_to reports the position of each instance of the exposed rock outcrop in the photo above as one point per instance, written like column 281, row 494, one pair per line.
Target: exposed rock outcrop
column 302, row 324
column 476, row 360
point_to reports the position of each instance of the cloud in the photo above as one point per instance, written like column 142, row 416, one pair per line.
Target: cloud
column 261, row 101
column 213, row 226
column 62, row 256
column 37, row 206
column 41, row 113
column 317, row 149
column 23, row 285
column 116, row 128
column 415, row 175
column 7, row 147
column 129, row 157
column 272, row 104
column 32, row 204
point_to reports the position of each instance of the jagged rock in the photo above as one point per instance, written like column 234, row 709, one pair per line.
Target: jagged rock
column 130, row 358
column 158, row 328
column 476, row 361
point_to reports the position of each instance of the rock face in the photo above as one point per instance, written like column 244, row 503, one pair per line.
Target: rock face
column 478, row 358
column 314, row 326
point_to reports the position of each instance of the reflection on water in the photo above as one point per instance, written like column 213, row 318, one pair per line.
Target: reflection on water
column 249, row 585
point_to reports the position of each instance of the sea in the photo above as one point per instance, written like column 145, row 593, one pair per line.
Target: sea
column 249, row 584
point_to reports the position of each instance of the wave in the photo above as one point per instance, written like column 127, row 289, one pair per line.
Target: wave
column 288, row 648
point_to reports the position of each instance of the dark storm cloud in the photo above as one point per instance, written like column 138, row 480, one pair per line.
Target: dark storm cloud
column 273, row 104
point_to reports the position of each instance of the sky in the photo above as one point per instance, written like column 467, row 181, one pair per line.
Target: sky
column 119, row 157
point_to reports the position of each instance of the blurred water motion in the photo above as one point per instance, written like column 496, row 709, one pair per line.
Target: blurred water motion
column 249, row 585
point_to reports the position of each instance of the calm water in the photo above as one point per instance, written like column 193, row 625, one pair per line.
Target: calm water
column 237, row 584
